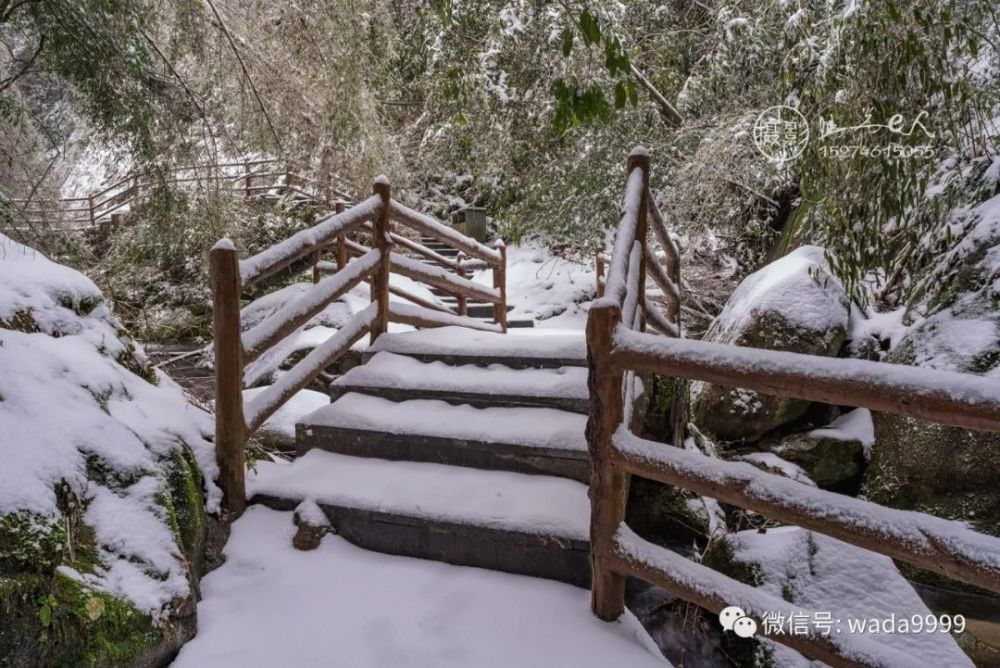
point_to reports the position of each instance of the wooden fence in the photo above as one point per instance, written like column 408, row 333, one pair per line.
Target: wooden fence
column 618, row 347
column 247, row 178
column 373, row 218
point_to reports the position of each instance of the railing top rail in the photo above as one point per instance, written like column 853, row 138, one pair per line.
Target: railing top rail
column 628, row 228
column 945, row 397
column 282, row 254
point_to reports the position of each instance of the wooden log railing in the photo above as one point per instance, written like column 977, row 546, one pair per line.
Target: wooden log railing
column 618, row 346
column 234, row 348
column 248, row 178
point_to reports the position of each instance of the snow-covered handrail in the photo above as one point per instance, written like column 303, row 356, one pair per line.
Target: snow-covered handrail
column 234, row 422
column 299, row 376
column 628, row 230
column 956, row 399
column 943, row 546
column 439, row 278
column 618, row 348
column 324, row 267
column 709, row 589
column 277, row 257
column 434, row 228
column 294, row 314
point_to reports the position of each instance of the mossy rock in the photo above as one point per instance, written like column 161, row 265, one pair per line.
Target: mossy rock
column 832, row 463
column 49, row 617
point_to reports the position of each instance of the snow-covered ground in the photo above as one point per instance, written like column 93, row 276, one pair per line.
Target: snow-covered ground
column 339, row 605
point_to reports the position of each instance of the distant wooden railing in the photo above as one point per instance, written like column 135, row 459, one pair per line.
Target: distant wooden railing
column 617, row 347
column 247, row 178
column 234, row 349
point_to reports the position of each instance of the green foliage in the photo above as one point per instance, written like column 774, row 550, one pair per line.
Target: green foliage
column 871, row 210
column 103, row 49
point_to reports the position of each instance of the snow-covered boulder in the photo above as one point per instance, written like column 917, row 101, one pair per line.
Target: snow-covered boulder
column 834, row 456
column 793, row 304
column 948, row 471
column 103, row 480
column 837, row 584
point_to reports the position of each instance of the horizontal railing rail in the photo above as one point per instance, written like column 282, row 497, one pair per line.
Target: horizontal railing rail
column 235, row 349
column 618, row 347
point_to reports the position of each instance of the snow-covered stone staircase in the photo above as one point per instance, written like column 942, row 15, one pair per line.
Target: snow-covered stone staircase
column 456, row 445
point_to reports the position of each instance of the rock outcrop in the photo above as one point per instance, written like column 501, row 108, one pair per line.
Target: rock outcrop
column 793, row 304
column 833, row 456
column 103, row 490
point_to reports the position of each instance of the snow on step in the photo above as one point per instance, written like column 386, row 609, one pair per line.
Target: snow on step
column 460, row 342
column 528, row 427
column 272, row 605
column 538, row 505
column 391, row 370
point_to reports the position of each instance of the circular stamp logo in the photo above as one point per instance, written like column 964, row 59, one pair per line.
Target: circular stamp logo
column 780, row 133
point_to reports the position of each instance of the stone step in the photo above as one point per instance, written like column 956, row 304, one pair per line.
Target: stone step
column 401, row 378
column 524, row 524
column 458, row 346
column 523, row 440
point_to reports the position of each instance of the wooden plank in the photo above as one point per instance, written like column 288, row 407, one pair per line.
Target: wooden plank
column 659, row 322
column 331, row 268
column 659, row 275
column 955, row 399
column 440, row 278
column 264, row 405
column 279, row 256
column 230, row 427
column 633, row 286
column 627, row 232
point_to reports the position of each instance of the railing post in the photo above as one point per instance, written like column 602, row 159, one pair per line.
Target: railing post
column 639, row 159
column 93, row 217
column 500, row 283
column 380, row 277
column 608, row 484
column 341, row 241
column 463, row 301
column 247, row 180
column 230, row 423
